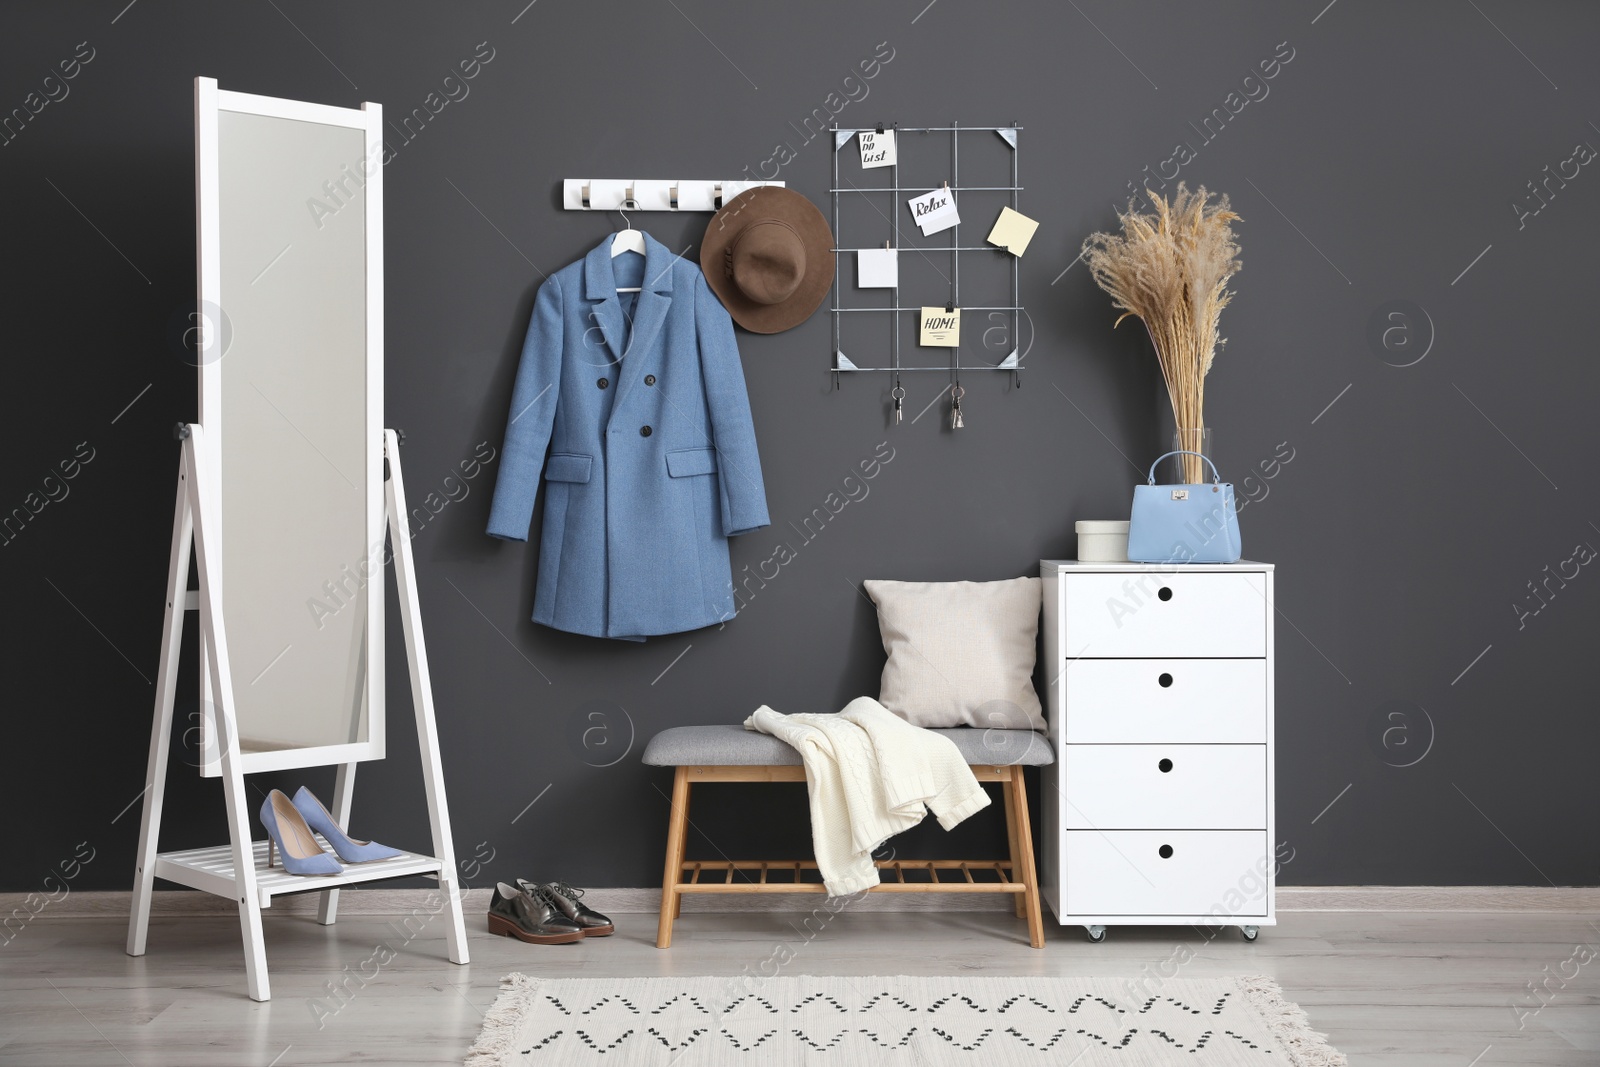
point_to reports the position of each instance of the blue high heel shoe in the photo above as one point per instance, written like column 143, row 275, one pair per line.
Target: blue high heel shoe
column 349, row 850
column 288, row 834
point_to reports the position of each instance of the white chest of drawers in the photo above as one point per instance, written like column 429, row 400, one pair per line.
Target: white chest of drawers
column 1159, row 806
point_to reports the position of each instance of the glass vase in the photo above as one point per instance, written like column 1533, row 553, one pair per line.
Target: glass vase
column 1189, row 470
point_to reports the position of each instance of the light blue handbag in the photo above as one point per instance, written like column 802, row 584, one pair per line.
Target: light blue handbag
column 1184, row 523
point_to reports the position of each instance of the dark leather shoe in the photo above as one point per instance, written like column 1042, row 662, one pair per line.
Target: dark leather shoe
column 568, row 902
column 529, row 917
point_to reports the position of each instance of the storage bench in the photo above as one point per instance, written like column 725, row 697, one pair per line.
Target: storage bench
column 734, row 754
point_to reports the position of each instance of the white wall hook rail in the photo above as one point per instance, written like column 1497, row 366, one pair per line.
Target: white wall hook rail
column 608, row 194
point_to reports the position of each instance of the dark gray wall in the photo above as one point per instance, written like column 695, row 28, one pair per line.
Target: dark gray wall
column 1382, row 164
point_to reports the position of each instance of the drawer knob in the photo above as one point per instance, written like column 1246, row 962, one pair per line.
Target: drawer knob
column 1165, row 680
column 1165, row 852
column 1165, row 765
column 1164, row 593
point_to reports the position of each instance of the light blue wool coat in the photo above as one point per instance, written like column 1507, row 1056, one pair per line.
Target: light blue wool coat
column 652, row 466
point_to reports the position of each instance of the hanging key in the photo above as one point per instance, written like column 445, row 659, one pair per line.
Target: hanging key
column 899, row 394
column 956, row 422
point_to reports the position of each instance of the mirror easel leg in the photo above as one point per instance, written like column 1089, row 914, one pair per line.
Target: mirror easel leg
column 422, row 699
column 155, row 781
column 344, row 787
column 227, row 727
column 244, row 860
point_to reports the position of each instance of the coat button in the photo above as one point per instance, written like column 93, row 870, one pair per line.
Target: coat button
column 602, row 383
column 645, row 431
column 649, row 379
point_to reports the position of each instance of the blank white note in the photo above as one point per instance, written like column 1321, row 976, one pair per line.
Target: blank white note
column 877, row 268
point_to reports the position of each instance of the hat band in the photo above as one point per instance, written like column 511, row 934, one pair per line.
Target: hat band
column 727, row 253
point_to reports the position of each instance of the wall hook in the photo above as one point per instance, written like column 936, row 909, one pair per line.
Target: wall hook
column 652, row 194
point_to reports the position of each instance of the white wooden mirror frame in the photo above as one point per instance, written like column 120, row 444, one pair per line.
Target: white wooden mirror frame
column 209, row 102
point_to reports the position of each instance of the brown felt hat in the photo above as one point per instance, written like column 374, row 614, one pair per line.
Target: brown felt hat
column 768, row 255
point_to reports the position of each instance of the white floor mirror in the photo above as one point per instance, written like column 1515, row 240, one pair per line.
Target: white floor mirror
column 285, row 487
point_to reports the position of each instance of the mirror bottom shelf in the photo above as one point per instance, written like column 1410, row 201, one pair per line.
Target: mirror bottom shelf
column 211, row 870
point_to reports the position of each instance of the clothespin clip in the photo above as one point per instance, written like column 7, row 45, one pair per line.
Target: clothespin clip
column 949, row 307
column 880, row 127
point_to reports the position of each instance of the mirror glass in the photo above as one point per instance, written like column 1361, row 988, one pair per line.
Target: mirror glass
column 292, row 435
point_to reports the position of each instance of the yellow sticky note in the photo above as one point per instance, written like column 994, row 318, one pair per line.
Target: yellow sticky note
column 1012, row 231
column 940, row 328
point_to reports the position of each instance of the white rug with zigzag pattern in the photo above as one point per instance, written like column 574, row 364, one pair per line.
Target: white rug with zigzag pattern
column 809, row 1021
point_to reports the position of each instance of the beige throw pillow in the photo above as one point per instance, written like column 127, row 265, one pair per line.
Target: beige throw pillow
column 960, row 653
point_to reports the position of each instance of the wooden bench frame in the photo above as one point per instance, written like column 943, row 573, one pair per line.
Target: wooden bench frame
column 681, row 876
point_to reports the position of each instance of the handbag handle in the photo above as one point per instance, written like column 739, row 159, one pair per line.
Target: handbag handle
column 1216, row 477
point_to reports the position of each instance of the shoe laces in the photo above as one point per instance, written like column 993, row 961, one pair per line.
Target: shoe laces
column 543, row 895
column 564, row 889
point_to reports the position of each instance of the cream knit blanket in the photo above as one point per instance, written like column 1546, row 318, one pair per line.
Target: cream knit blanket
column 871, row 775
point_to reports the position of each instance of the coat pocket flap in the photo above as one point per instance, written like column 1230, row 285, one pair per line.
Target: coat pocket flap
column 686, row 462
column 568, row 467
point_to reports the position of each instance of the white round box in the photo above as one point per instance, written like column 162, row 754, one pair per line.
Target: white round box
column 1102, row 541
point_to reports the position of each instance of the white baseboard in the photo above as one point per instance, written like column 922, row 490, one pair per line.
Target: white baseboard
column 115, row 903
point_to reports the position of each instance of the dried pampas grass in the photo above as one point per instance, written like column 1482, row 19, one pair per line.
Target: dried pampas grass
column 1170, row 269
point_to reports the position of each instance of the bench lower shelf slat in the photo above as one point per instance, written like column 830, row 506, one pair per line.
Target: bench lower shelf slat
column 882, row 887
column 689, row 879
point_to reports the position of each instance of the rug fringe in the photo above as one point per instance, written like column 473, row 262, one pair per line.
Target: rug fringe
column 1289, row 1023
column 497, row 1040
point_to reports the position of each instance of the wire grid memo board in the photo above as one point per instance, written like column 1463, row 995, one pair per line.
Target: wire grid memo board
column 976, row 212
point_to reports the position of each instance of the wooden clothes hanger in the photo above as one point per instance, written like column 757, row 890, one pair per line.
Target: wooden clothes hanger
column 627, row 240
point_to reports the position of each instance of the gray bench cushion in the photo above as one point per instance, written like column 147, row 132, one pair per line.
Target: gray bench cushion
column 734, row 746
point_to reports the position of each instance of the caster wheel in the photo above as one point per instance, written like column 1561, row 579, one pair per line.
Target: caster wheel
column 1096, row 934
column 1250, row 932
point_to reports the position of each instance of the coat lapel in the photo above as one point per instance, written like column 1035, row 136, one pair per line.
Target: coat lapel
column 600, row 287
column 655, row 299
column 655, row 295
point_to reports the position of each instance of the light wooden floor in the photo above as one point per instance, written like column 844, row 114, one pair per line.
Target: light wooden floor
column 1413, row 989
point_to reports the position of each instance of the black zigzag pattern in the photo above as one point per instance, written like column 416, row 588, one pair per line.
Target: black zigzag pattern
column 952, row 1004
